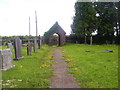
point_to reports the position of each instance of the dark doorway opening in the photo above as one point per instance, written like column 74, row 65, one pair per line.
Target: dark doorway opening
column 55, row 40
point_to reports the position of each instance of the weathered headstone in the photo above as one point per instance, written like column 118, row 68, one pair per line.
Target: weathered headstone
column 3, row 42
column 6, row 59
column 105, row 51
column 35, row 43
column 29, row 49
column 0, row 42
column 39, row 42
column 10, row 46
column 17, row 48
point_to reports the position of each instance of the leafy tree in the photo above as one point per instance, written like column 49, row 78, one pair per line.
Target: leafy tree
column 85, row 20
column 118, row 20
column 102, row 17
column 107, row 19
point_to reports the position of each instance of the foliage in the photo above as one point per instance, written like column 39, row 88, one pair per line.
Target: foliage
column 73, row 37
column 93, row 69
column 85, row 20
column 98, row 16
column 9, row 39
column 46, row 37
column 107, row 19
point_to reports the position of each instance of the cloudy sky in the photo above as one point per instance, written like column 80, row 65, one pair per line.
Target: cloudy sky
column 14, row 15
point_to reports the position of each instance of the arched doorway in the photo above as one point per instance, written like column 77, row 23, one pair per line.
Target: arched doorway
column 55, row 33
column 54, row 40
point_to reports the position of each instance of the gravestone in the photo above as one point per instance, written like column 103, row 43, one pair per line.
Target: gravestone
column 10, row 46
column 3, row 42
column 6, row 59
column 29, row 48
column 105, row 51
column 17, row 48
column 39, row 42
column 35, row 43
column 0, row 42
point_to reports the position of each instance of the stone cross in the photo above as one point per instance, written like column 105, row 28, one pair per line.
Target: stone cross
column 29, row 48
column 17, row 48
column 35, row 43
column 10, row 46
column 6, row 59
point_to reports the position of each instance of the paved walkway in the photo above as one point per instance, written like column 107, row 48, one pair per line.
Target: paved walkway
column 61, row 78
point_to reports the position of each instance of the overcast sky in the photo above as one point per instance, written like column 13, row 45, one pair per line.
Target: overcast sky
column 14, row 15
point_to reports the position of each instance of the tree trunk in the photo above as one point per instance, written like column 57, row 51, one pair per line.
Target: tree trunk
column 117, row 34
column 85, row 40
column 91, row 40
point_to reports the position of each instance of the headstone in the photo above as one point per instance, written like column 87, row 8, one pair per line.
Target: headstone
column 105, row 51
column 6, row 59
column 29, row 48
column 3, row 42
column 0, row 42
column 35, row 43
column 21, row 42
column 17, row 48
column 39, row 42
column 76, row 42
column 10, row 46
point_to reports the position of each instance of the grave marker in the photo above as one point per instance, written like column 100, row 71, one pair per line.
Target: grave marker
column 6, row 59
column 39, row 42
column 35, row 43
column 17, row 48
column 10, row 46
column 29, row 48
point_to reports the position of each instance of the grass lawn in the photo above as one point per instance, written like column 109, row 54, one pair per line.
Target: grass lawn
column 93, row 69
column 3, row 47
column 31, row 72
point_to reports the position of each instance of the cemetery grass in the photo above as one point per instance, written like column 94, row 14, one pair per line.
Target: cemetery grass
column 3, row 47
column 93, row 69
column 31, row 72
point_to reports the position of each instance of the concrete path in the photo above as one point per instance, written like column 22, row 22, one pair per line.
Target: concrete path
column 61, row 78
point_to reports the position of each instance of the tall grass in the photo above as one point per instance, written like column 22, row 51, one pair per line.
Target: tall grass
column 93, row 69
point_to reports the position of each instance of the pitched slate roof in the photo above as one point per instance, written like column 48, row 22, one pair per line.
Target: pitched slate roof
column 56, row 27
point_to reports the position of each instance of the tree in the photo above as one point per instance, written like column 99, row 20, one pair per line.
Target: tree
column 103, row 17
column 118, row 21
column 85, row 20
column 107, row 19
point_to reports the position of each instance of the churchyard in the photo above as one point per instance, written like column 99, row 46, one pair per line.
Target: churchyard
column 31, row 71
column 91, row 69
column 37, row 64
column 86, row 58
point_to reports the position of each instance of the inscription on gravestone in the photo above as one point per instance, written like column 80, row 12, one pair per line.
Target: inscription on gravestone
column 17, row 48
column 29, row 49
column 35, row 43
column 6, row 59
column 10, row 46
